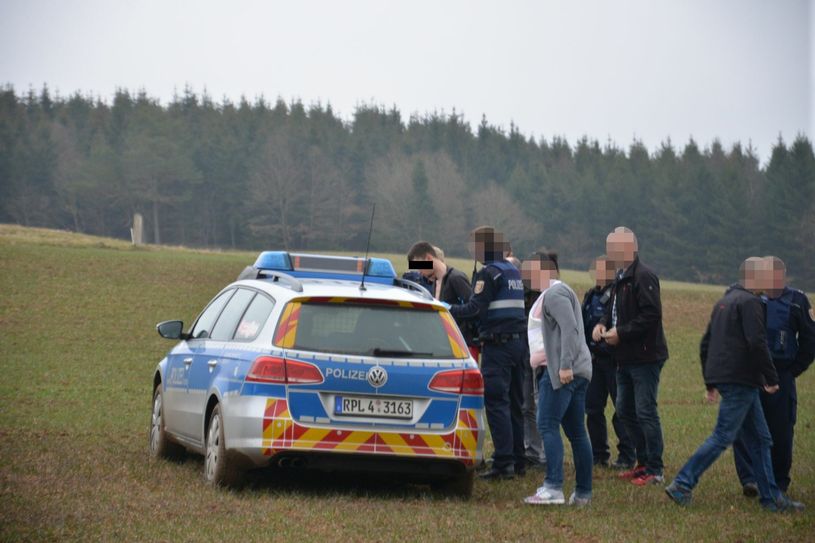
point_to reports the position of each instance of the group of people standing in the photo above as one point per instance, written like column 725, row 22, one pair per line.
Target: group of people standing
column 551, row 362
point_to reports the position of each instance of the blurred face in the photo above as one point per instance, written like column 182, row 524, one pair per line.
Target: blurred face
column 776, row 277
column 603, row 273
column 756, row 274
column 534, row 275
column 483, row 246
column 621, row 248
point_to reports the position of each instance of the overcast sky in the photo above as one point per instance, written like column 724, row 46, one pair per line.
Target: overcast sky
column 739, row 70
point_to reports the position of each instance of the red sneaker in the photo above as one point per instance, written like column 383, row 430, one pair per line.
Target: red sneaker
column 632, row 473
column 647, row 479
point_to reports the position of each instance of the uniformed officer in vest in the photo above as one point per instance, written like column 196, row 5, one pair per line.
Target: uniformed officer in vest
column 498, row 304
column 604, row 374
column 791, row 340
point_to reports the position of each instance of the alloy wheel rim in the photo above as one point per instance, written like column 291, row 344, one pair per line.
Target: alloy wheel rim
column 155, row 427
column 213, row 441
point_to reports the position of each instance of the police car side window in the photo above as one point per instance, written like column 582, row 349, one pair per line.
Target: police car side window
column 225, row 326
column 254, row 318
column 203, row 326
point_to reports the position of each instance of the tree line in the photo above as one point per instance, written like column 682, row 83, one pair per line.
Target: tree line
column 256, row 174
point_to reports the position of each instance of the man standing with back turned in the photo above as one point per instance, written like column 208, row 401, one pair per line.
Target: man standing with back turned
column 633, row 327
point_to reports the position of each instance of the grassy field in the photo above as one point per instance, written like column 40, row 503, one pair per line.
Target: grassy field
column 77, row 351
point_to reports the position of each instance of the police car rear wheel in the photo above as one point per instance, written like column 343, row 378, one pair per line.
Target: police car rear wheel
column 218, row 469
column 160, row 445
column 458, row 487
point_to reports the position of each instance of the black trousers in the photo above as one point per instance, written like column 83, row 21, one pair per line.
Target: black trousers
column 502, row 369
column 780, row 410
column 604, row 384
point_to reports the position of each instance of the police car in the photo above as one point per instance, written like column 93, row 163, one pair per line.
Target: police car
column 323, row 362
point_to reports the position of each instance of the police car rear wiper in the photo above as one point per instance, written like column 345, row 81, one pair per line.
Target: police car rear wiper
column 376, row 351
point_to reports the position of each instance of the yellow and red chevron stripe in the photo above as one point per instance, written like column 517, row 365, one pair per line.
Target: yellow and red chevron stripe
column 281, row 433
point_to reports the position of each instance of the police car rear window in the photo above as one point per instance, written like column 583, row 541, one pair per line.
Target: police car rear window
column 366, row 330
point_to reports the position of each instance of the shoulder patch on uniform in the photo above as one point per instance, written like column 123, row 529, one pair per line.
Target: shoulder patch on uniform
column 479, row 286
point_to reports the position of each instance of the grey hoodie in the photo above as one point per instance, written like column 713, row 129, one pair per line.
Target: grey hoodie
column 563, row 337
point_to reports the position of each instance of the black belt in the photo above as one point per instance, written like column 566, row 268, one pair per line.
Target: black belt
column 501, row 338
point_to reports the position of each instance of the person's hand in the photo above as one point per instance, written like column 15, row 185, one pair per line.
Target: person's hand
column 566, row 376
column 711, row 395
column 611, row 337
column 770, row 389
column 597, row 333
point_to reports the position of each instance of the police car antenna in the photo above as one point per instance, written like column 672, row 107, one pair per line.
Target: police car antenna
column 367, row 247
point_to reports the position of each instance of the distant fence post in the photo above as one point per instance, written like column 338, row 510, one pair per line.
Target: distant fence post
column 137, row 232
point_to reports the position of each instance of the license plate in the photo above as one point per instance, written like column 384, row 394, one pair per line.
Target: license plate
column 366, row 406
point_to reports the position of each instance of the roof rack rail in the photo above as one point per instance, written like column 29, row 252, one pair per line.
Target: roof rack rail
column 251, row 272
column 410, row 285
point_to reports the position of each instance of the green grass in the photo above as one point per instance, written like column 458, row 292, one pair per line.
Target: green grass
column 77, row 351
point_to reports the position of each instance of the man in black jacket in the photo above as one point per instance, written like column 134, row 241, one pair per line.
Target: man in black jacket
column 633, row 327
column 736, row 363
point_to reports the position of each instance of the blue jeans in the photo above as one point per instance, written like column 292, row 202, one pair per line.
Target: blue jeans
column 637, row 388
column 565, row 407
column 740, row 415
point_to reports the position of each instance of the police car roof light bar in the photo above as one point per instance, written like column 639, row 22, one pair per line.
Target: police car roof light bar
column 315, row 266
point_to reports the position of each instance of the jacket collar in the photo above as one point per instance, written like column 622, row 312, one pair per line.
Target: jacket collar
column 632, row 268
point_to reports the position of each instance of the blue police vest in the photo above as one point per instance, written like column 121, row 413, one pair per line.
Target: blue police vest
column 598, row 303
column 781, row 338
column 505, row 312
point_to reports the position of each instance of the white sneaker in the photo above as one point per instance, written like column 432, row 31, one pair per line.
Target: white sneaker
column 578, row 502
column 546, row 496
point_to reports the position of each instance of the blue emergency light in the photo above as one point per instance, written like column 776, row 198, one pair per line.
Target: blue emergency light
column 312, row 266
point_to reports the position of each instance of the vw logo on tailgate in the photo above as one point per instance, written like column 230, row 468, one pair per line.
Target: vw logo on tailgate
column 377, row 376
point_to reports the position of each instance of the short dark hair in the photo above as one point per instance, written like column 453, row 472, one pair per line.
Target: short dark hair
column 421, row 248
column 547, row 259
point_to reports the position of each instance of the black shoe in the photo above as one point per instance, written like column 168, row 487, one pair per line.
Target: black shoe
column 750, row 490
column 534, row 462
column 622, row 465
column 784, row 505
column 601, row 463
column 520, row 471
column 495, row 474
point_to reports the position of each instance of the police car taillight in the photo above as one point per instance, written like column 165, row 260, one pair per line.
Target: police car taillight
column 467, row 382
column 272, row 369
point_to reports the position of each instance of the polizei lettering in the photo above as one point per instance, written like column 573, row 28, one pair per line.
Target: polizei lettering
column 515, row 284
column 342, row 373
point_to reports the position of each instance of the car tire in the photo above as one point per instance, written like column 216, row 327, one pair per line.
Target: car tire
column 460, row 486
column 159, row 442
column 219, row 469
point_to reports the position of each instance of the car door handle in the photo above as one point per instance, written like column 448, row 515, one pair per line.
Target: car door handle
column 187, row 362
column 212, row 363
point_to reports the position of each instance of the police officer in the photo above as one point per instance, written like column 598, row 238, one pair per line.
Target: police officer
column 604, row 374
column 498, row 303
column 791, row 340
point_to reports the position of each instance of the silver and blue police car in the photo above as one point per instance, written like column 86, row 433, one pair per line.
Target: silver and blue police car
column 324, row 362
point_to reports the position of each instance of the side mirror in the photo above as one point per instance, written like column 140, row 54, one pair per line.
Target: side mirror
column 171, row 330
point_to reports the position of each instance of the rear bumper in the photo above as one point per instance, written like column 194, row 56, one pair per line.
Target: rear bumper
column 262, row 429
